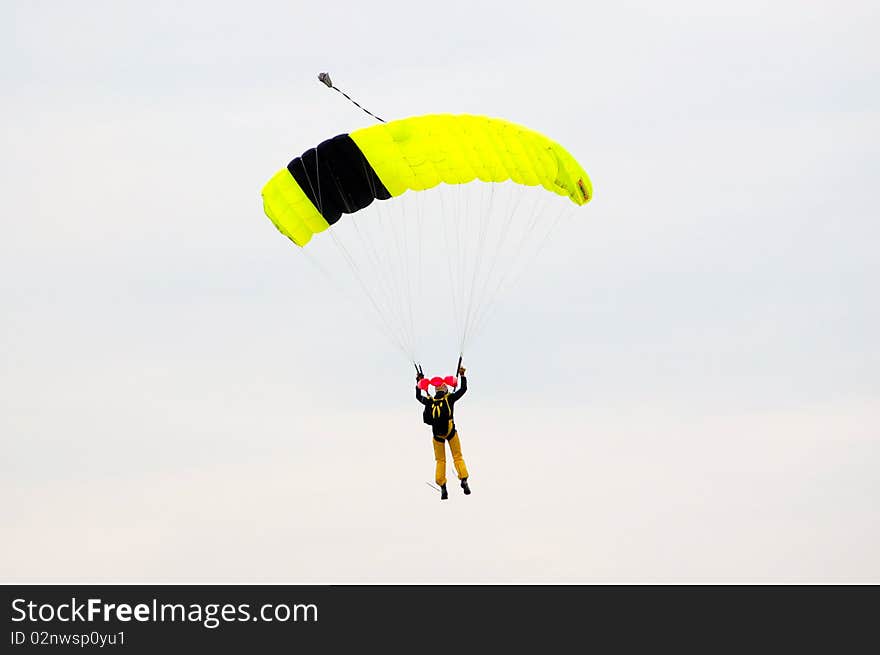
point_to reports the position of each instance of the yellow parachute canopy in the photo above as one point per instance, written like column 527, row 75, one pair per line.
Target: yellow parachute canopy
column 345, row 174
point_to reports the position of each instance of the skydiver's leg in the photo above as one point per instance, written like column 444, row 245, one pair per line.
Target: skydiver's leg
column 457, row 459
column 440, row 458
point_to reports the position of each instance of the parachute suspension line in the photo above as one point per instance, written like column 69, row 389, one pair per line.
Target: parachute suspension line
column 399, row 336
column 508, row 214
column 390, row 237
column 450, row 222
column 488, row 291
column 399, row 266
column 450, row 252
column 462, row 240
column 383, row 273
column 448, row 218
column 325, row 78
column 399, row 339
column 317, row 195
column 382, row 297
column 393, row 264
column 535, row 216
column 468, row 258
column 426, row 236
column 566, row 214
column 346, row 255
column 478, row 260
column 490, row 287
column 459, row 256
column 418, row 298
column 382, row 328
column 421, row 264
column 408, row 226
column 369, row 246
column 408, row 278
column 483, row 241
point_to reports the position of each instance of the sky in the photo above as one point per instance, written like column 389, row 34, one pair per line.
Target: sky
column 682, row 389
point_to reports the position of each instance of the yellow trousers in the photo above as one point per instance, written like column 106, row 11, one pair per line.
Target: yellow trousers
column 457, row 459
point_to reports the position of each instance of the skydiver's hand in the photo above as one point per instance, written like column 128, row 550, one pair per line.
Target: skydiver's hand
column 461, row 370
column 419, row 377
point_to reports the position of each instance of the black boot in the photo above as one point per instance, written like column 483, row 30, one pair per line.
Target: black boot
column 464, row 485
column 443, row 494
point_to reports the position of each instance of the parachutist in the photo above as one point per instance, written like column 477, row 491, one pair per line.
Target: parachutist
column 329, row 184
column 438, row 413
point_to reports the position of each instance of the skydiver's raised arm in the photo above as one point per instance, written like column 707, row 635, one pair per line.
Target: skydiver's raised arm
column 458, row 394
column 419, row 377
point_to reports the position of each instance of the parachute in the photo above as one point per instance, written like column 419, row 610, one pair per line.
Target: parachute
column 332, row 187
column 346, row 173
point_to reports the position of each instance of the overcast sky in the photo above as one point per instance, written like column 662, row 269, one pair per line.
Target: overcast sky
column 685, row 388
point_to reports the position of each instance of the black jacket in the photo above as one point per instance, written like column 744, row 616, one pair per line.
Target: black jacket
column 439, row 430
